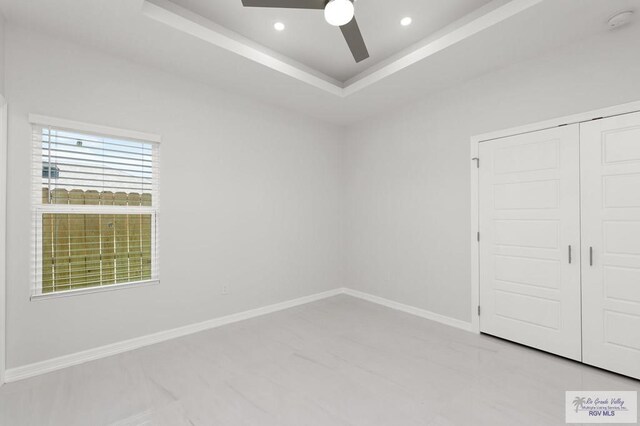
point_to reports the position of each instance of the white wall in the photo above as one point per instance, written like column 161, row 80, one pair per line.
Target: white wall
column 270, row 222
column 251, row 196
column 408, row 196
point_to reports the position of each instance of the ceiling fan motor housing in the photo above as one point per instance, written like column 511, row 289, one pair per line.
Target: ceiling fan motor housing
column 339, row 12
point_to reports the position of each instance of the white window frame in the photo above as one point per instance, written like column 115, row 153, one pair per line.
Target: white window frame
column 38, row 208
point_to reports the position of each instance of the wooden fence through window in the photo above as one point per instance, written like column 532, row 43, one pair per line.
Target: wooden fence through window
column 87, row 250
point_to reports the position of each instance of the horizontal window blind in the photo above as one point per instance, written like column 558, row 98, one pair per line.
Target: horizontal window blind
column 96, row 204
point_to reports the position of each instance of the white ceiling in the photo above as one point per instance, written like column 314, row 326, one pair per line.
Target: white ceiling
column 120, row 28
column 309, row 40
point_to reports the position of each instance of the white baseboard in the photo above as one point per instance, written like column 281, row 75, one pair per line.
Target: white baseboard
column 463, row 325
column 47, row 366
column 42, row 367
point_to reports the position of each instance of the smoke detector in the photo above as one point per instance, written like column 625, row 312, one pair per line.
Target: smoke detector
column 620, row 19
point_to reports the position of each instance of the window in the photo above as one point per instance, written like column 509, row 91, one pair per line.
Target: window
column 95, row 197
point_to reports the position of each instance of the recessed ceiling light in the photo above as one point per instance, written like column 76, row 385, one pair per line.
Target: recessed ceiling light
column 279, row 26
column 405, row 22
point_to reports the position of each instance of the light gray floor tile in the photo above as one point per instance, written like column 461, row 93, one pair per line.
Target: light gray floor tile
column 339, row 361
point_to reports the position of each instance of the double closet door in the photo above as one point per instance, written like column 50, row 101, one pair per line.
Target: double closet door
column 560, row 241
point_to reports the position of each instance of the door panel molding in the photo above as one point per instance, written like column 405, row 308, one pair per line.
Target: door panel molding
column 610, row 152
column 475, row 163
column 621, row 258
column 544, row 312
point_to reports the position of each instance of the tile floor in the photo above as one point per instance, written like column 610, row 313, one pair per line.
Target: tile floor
column 339, row 361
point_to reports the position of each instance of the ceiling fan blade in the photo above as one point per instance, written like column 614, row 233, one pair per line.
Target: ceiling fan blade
column 352, row 34
column 288, row 4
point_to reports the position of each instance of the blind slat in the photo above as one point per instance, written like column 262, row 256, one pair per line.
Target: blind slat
column 92, row 166
column 113, row 165
column 47, row 134
column 89, row 143
column 131, row 157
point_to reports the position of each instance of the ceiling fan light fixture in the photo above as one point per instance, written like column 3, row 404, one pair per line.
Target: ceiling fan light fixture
column 339, row 12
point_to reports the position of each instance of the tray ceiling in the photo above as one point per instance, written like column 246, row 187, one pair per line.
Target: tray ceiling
column 501, row 34
column 308, row 38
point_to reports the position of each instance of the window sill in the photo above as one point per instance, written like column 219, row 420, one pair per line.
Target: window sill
column 90, row 290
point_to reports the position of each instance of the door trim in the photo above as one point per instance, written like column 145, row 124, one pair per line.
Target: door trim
column 3, row 236
column 475, row 142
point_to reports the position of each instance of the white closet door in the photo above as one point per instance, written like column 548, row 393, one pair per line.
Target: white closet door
column 610, row 150
column 529, row 216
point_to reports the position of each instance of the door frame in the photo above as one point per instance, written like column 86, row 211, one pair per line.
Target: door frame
column 3, row 237
column 475, row 142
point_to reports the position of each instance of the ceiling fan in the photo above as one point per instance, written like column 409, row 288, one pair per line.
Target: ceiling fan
column 339, row 13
